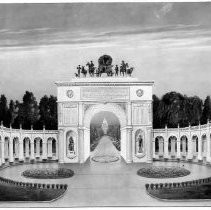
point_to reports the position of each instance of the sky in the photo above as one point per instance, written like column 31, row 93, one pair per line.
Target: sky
column 168, row 43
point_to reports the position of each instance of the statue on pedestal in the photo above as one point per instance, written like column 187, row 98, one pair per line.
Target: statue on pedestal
column 105, row 126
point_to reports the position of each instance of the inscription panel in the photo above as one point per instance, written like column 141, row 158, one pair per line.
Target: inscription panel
column 70, row 114
column 104, row 93
column 141, row 114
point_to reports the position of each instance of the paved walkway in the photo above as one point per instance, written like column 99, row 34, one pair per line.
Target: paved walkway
column 106, row 184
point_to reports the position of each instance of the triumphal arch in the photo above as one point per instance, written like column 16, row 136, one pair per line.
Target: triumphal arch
column 80, row 99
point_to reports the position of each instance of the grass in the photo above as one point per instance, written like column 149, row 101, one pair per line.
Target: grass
column 48, row 173
column 162, row 172
column 202, row 191
column 10, row 192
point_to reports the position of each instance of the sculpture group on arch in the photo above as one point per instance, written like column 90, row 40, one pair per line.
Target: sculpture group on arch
column 104, row 66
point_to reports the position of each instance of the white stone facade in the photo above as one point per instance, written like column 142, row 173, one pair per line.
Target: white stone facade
column 131, row 102
column 191, row 143
column 127, row 98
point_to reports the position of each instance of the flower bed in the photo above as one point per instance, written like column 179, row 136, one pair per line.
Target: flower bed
column 48, row 173
column 162, row 172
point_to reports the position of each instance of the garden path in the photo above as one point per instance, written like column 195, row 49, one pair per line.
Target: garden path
column 106, row 184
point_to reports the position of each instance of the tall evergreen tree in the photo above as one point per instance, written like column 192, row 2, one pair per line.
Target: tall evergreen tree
column 3, row 110
column 206, row 113
column 28, row 110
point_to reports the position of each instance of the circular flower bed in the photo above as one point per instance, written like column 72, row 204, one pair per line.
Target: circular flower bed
column 162, row 172
column 105, row 158
column 48, row 173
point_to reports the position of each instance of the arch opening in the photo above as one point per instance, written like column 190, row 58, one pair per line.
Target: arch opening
column 112, row 132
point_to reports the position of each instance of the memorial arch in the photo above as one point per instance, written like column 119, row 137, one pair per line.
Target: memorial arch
column 80, row 99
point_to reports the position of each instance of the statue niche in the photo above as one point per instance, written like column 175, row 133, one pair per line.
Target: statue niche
column 139, row 143
column 71, row 144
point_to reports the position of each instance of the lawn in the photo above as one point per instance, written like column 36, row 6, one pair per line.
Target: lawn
column 48, row 173
column 162, row 172
column 202, row 191
column 9, row 192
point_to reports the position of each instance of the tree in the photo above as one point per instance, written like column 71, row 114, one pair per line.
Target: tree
column 48, row 112
column 206, row 113
column 12, row 112
column 28, row 110
column 3, row 110
column 156, row 114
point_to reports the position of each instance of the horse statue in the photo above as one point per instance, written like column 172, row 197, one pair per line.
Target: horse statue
column 129, row 71
column 123, row 68
column 83, row 71
column 91, row 68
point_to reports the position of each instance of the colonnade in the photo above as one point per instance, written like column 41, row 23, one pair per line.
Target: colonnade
column 190, row 143
column 27, row 145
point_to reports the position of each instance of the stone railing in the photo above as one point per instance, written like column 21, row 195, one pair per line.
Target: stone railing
column 33, row 185
column 157, row 186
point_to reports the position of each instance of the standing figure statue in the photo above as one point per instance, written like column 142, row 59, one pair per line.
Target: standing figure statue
column 123, row 68
column 116, row 70
column 91, row 68
column 83, row 71
column 71, row 144
column 79, row 70
column 140, row 144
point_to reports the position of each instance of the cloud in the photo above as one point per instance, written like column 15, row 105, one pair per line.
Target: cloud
column 169, row 36
column 164, row 10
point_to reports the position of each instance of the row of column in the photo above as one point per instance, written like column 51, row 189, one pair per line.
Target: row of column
column 29, row 150
column 191, row 148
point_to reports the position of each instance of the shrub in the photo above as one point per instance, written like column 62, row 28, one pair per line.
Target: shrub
column 65, row 186
column 152, row 186
column 147, row 186
column 166, row 185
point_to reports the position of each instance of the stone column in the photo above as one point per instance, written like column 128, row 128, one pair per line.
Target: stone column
column 57, row 148
column 49, row 148
column 44, row 149
column 44, row 146
column 80, row 132
column 61, row 151
column 184, row 146
column 200, row 147
column 153, row 147
column 166, row 144
column 129, row 144
column 2, row 151
column 190, row 146
column 27, row 148
column 11, row 158
column 32, row 149
column 21, row 150
column 208, row 142
column 81, row 144
column 161, row 146
column 149, row 144
column 37, row 148
column 173, row 143
column 129, row 114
